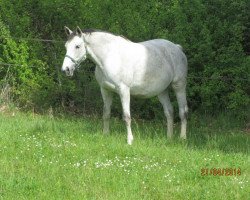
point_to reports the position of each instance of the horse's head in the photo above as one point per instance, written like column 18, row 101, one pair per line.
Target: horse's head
column 75, row 51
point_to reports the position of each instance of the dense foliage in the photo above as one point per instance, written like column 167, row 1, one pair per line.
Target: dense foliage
column 214, row 34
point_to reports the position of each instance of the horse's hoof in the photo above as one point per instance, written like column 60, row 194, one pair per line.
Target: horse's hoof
column 130, row 142
column 105, row 132
column 183, row 137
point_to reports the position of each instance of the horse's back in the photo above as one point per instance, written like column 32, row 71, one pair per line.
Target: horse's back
column 165, row 46
column 162, row 44
column 172, row 53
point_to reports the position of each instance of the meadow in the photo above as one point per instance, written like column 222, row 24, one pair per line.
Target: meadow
column 48, row 157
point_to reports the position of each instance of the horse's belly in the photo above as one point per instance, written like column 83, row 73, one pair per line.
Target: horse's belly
column 152, row 82
column 149, row 88
column 144, row 92
column 143, row 85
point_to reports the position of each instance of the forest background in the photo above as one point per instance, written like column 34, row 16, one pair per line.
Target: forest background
column 215, row 35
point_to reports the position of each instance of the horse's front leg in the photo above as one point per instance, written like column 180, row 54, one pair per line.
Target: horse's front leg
column 125, row 100
column 107, row 100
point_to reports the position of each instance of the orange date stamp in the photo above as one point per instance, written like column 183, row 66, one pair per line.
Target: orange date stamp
column 220, row 172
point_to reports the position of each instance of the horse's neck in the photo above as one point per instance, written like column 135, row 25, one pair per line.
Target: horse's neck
column 99, row 38
column 98, row 45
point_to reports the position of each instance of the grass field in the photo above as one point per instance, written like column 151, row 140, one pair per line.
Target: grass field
column 69, row 158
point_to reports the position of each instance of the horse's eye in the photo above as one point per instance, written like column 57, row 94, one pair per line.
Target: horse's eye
column 77, row 46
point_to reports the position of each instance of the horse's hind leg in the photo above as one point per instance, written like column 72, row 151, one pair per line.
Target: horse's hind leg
column 180, row 91
column 107, row 100
column 168, row 111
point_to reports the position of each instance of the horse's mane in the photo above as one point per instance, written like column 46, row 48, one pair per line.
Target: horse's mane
column 90, row 31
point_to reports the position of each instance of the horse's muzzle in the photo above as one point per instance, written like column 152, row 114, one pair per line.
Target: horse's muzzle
column 68, row 71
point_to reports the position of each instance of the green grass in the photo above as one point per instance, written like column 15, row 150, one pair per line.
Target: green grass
column 70, row 158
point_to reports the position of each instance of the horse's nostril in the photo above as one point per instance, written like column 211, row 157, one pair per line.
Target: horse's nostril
column 66, row 69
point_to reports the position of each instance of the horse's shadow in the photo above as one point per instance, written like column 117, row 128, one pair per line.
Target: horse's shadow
column 227, row 142
column 226, row 138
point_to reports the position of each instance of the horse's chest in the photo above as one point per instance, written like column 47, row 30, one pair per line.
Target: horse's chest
column 103, row 80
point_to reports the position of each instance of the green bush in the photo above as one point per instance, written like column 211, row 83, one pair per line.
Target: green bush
column 27, row 76
column 213, row 34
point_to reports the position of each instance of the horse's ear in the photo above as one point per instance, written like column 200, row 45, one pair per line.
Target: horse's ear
column 67, row 31
column 78, row 31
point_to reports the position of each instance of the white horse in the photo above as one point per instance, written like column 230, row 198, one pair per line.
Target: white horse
column 144, row 69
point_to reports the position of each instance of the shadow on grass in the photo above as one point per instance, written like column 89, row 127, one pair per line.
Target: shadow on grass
column 222, row 133
column 237, row 142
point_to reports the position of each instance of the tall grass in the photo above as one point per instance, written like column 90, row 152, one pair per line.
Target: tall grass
column 43, row 157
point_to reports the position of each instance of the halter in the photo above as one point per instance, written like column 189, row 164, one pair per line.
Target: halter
column 77, row 63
